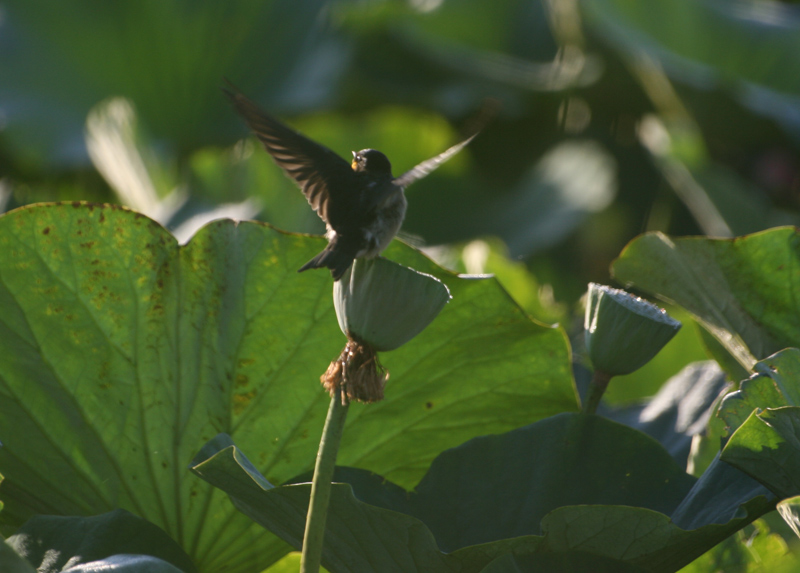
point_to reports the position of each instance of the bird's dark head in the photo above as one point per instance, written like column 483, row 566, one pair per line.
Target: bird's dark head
column 371, row 161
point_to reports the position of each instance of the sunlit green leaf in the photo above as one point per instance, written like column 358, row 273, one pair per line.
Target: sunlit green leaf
column 124, row 353
column 775, row 385
column 744, row 290
column 766, row 446
column 288, row 564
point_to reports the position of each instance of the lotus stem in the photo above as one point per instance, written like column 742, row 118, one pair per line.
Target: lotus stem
column 321, row 484
column 597, row 388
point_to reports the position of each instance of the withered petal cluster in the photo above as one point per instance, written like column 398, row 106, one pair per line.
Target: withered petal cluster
column 358, row 372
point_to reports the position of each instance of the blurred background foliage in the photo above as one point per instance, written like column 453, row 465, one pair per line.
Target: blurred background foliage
column 615, row 117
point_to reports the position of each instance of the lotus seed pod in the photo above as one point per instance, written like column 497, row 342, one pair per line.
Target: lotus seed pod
column 384, row 304
column 624, row 332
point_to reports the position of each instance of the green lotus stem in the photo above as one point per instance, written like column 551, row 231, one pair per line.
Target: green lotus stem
column 321, row 484
column 597, row 388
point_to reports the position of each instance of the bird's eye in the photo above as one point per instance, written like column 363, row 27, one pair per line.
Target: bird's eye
column 358, row 158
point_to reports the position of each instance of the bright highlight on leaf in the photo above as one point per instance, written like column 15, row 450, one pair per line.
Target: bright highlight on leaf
column 790, row 512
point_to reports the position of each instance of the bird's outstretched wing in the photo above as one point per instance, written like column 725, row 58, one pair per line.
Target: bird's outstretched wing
column 319, row 171
column 431, row 164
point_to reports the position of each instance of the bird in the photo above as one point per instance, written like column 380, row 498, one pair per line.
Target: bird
column 361, row 203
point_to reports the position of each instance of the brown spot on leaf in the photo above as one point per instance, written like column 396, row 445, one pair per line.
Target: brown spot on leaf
column 46, row 230
column 240, row 401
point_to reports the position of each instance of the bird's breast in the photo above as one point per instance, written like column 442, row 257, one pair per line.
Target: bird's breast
column 388, row 218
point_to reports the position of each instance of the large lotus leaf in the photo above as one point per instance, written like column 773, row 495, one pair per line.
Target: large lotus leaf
column 638, row 536
column 743, row 290
column 573, row 460
column 55, row 542
column 124, row 352
column 358, row 537
column 570, row 459
column 492, row 497
column 719, row 496
column 715, row 507
column 290, row 563
column 553, row 562
column 458, row 343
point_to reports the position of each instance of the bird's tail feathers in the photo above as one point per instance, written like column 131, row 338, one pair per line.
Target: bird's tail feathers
column 337, row 256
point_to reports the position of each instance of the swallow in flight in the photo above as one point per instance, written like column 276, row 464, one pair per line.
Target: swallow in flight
column 361, row 203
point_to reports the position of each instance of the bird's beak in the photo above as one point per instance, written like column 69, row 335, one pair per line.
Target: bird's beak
column 354, row 154
column 354, row 165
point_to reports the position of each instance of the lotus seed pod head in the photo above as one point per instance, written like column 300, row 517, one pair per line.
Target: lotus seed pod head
column 384, row 304
column 624, row 332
